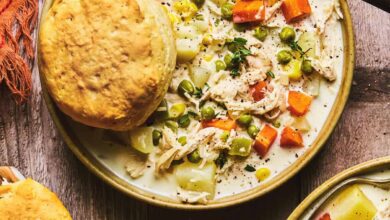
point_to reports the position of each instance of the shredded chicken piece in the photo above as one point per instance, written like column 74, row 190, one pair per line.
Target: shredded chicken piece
column 327, row 71
column 192, row 196
column 257, row 66
column 270, row 11
column 137, row 164
column 258, row 108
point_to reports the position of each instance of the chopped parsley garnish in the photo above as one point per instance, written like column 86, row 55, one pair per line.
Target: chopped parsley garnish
column 221, row 160
column 295, row 47
column 198, row 92
column 271, row 74
column 249, row 168
column 237, row 47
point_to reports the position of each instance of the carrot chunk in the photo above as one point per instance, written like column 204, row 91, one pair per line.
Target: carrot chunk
column 291, row 138
column 227, row 124
column 299, row 103
column 257, row 91
column 264, row 140
column 294, row 10
column 326, row 216
column 248, row 11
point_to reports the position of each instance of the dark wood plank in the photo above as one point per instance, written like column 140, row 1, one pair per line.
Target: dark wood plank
column 30, row 141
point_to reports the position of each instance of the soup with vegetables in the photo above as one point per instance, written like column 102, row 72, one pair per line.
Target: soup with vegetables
column 254, row 83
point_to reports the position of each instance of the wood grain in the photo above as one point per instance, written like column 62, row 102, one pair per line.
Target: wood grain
column 30, row 142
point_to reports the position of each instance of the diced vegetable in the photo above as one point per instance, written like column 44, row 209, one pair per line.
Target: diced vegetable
column 271, row 2
column 306, row 66
column 227, row 10
column 184, row 121
column 240, row 147
column 184, row 87
column 325, row 216
column 177, row 110
column 312, row 84
column 287, row 35
column 224, row 124
column 261, row 33
column 284, row 57
column 299, row 103
column 220, row 65
column 258, row 91
column 207, row 113
column 301, row 123
column 182, row 140
column 248, row 11
column 293, row 70
column 172, row 125
column 245, row 120
column 295, row 9
column 187, row 49
column 186, row 32
column 185, row 8
column 190, row 177
column 141, row 139
column 225, row 135
column 199, row 76
column 265, row 139
column 157, row 135
column 263, row 173
column 252, row 131
column 351, row 203
column 284, row 79
column 307, row 41
column 194, row 156
column 290, row 138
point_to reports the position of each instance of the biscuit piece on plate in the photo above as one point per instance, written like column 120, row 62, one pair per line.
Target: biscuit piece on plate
column 107, row 63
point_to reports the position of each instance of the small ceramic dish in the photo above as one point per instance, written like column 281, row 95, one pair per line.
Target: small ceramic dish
column 373, row 169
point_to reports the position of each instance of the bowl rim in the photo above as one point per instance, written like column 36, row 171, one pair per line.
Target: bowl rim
column 110, row 178
column 361, row 168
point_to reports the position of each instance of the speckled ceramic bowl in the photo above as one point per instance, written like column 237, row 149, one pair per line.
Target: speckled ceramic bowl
column 106, row 164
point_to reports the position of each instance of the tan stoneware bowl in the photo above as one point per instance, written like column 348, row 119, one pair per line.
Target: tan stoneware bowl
column 81, row 145
column 358, row 170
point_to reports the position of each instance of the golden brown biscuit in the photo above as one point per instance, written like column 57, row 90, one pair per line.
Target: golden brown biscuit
column 28, row 199
column 107, row 63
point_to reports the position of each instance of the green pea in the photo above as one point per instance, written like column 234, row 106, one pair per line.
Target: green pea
column 240, row 147
column 184, row 121
column 185, row 86
column 219, row 65
column 227, row 11
column 162, row 112
column 156, row 135
column 207, row 113
column 245, row 120
column 240, row 27
column 198, row 3
column 182, row 140
column 228, row 60
column 194, row 157
column 172, row 125
column 261, row 33
column 287, row 35
column 253, row 131
column 224, row 136
column 276, row 124
column 306, row 66
column 284, row 57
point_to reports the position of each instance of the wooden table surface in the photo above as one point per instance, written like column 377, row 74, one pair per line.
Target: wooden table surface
column 29, row 141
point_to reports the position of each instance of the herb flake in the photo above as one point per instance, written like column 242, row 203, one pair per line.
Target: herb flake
column 249, row 168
